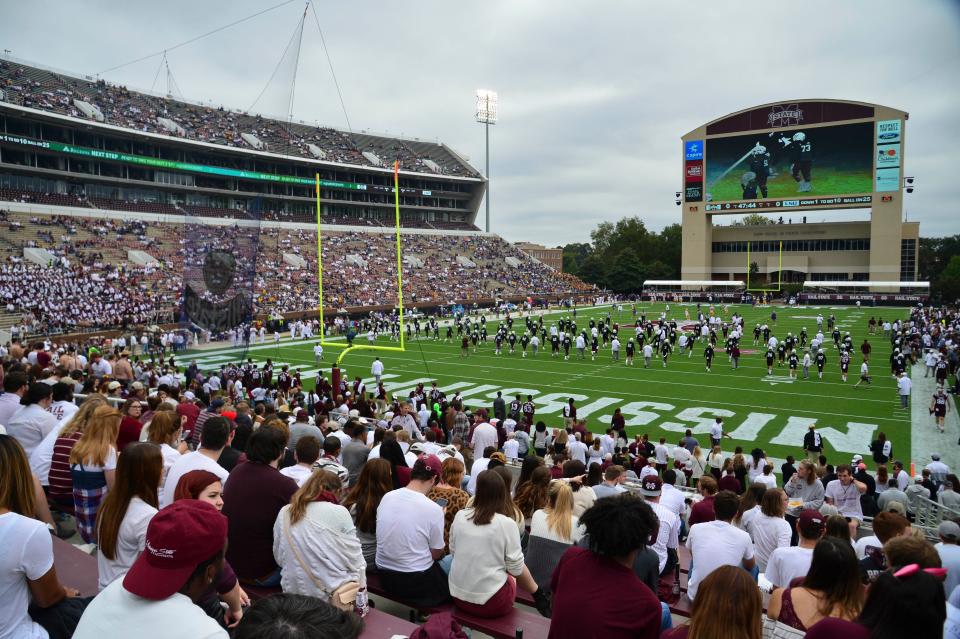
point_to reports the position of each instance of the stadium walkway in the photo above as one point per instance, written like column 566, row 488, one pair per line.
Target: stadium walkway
column 926, row 438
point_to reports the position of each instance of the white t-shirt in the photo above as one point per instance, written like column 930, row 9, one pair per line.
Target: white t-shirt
column 786, row 564
column 27, row 554
column 130, row 542
column 845, row 498
column 171, row 618
column 479, row 465
column 578, row 451
column 42, row 455
column 63, row 410
column 483, row 435
column 667, row 534
column 770, row 481
column 170, row 457
column 409, row 525
column 191, row 461
column 30, row 425
column 511, row 448
column 714, row 544
column 768, row 533
column 297, row 473
column 673, row 500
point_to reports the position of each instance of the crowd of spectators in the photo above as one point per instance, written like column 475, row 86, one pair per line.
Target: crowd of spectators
column 118, row 105
column 242, row 478
column 92, row 284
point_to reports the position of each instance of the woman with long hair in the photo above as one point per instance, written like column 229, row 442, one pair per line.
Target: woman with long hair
column 448, row 489
column 698, row 466
column 391, row 451
column 755, row 463
column 93, row 464
column 130, row 425
column 905, row 601
column 740, row 469
column 509, row 507
column 315, row 544
column 769, row 530
column 728, row 606
column 560, row 441
column 166, row 430
column 529, row 464
column 375, row 481
column 749, row 505
column 715, row 459
column 553, row 529
column 595, row 453
column 583, row 495
column 487, row 559
column 532, row 496
column 126, row 511
column 204, row 486
column 594, row 475
column 60, row 492
column 28, row 577
column 883, row 478
column 831, row 588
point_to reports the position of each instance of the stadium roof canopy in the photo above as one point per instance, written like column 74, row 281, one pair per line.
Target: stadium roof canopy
column 865, row 283
column 726, row 283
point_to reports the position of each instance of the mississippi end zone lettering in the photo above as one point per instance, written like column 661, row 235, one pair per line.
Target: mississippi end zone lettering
column 852, row 439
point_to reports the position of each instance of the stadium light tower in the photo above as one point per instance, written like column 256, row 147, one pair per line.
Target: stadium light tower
column 487, row 115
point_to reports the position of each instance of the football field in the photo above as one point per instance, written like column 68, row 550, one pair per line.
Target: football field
column 769, row 411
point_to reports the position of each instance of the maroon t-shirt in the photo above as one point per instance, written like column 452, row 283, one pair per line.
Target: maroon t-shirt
column 729, row 482
column 832, row 628
column 619, row 604
column 252, row 497
column 702, row 511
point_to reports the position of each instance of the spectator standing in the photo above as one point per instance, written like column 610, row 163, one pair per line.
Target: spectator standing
column 812, row 443
column 93, row 463
column 718, row 543
column 601, row 579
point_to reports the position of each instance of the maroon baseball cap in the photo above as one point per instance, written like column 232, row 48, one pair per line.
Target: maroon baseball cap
column 811, row 523
column 428, row 463
column 179, row 538
column 651, row 486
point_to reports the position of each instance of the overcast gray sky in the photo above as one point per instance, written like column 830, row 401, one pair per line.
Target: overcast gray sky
column 593, row 96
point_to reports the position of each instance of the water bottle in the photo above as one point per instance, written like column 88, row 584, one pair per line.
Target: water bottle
column 519, row 634
column 676, row 580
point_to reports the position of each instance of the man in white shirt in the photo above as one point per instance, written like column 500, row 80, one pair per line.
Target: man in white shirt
column 789, row 562
column 484, row 434
column 577, row 449
column 649, row 469
column 307, row 452
column 216, row 432
column 662, row 454
column 904, row 386
column 608, row 442
column 407, row 421
column 511, row 447
column 376, row 369
column 844, row 493
column 158, row 597
column 410, row 539
column 938, row 470
column 668, row 533
column 14, row 387
column 671, row 498
column 718, row 543
column 32, row 422
column 480, row 464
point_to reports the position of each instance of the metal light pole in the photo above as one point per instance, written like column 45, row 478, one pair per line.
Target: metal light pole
column 487, row 115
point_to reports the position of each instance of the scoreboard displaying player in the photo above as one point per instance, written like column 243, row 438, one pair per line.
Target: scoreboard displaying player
column 802, row 155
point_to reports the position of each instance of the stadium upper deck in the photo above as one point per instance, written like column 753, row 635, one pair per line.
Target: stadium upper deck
column 78, row 140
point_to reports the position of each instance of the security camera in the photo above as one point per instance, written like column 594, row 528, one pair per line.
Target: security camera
column 678, row 202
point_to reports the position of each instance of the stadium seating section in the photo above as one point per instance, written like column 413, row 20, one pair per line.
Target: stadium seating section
column 49, row 91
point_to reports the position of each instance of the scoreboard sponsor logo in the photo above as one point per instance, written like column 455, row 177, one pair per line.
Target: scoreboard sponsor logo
column 888, row 131
column 888, row 155
column 694, row 171
column 693, row 150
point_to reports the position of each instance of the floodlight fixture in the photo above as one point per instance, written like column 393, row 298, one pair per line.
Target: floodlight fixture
column 486, row 106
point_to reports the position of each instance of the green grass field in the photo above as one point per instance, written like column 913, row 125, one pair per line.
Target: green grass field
column 827, row 181
column 770, row 412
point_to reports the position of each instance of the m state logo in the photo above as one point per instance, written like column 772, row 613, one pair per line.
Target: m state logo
column 785, row 115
